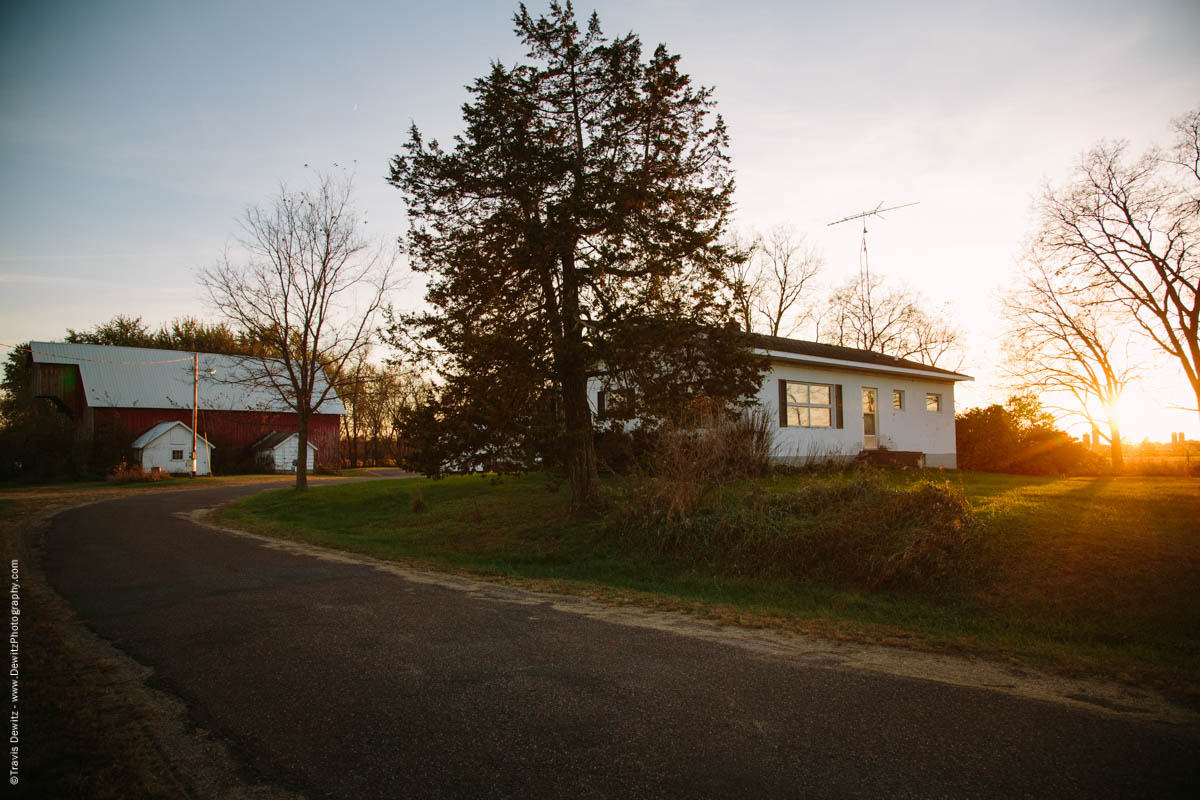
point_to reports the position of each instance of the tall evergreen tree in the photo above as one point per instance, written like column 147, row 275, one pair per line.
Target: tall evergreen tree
column 590, row 187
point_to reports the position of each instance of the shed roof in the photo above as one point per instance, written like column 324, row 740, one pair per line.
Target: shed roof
column 158, row 430
column 276, row 438
column 144, row 377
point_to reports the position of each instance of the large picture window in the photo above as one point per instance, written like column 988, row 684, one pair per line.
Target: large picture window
column 809, row 405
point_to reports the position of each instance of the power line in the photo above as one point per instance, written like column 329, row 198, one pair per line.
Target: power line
column 93, row 360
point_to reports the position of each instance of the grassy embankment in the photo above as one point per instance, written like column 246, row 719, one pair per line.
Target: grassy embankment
column 1089, row 575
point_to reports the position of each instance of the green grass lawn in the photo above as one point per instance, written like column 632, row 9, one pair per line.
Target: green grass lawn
column 1091, row 575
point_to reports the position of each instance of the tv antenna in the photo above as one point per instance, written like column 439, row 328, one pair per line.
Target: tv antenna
column 864, row 269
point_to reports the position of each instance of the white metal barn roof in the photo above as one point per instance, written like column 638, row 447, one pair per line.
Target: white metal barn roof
column 161, row 428
column 143, row 377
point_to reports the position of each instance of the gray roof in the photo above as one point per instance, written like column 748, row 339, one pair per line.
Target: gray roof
column 143, row 377
column 158, row 430
column 273, row 440
column 802, row 347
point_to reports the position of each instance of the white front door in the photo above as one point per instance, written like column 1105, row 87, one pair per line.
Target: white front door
column 870, row 404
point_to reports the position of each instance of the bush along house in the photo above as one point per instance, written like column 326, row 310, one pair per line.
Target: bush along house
column 831, row 403
column 126, row 392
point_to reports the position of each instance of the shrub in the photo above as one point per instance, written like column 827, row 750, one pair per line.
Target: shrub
column 995, row 439
column 850, row 528
column 687, row 463
column 132, row 473
column 622, row 452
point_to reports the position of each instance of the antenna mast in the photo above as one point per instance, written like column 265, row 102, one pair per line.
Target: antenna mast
column 864, row 267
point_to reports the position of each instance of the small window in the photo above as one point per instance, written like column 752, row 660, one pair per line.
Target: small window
column 614, row 401
column 898, row 399
column 933, row 402
column 809, row 405
column 177, row 455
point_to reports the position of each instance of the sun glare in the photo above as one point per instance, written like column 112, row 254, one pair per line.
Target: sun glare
column 1142, row 416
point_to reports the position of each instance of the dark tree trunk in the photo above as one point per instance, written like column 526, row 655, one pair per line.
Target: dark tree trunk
column 579, row 450
column 302, row 452
column 1118, row 457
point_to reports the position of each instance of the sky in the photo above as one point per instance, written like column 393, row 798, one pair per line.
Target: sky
column 134, row 134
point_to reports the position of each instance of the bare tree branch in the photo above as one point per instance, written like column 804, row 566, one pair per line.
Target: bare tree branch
column 1063, row 340
column 889, row 320
column 1129, row 232
column 310, row 284
column 767, row 288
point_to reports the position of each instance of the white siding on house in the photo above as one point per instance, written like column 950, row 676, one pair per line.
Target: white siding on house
column 909, row 429
column 912, row 428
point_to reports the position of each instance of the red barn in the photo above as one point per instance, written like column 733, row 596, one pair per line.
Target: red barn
column 125, row 391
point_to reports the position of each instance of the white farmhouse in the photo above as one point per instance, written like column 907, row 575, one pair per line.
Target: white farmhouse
column 835, row 403
column 279, row 452
column 168, row 446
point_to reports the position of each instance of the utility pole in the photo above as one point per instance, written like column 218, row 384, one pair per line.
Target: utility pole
column 195, row 404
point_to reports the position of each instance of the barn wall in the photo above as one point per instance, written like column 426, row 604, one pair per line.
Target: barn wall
column 231, row 432
column 61, row 383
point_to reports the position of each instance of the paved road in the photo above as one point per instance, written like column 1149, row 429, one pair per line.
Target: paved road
column 339, row 680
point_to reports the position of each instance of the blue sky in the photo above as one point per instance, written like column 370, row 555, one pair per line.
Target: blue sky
column 133, row 134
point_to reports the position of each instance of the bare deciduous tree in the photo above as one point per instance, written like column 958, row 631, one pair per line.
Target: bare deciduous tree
column 870, row 315
column 741, row 282
column 1131, row 231
column 309, row 283
column 1063, row 341
column 766, row 290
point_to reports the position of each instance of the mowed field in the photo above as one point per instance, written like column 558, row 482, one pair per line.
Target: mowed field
column 1097, row 576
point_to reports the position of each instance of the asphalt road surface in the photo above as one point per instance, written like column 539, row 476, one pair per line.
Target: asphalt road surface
column 341, row 680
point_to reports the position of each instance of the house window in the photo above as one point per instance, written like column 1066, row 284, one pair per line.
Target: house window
column 177, row 455
column 933, row 402
column 613, row 401
column 809, row 405
column 898, row 399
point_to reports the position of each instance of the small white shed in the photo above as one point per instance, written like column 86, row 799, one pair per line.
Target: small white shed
column 168, row 446
column 278, row 452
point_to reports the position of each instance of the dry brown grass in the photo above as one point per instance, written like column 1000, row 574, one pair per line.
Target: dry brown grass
column 133, row 473
column 688, row 462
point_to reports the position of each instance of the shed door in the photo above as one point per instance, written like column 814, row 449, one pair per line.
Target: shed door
column 870, row 404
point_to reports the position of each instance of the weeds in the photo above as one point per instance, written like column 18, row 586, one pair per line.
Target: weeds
column 851, row 528
column 133, row 473
column 687, row 463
